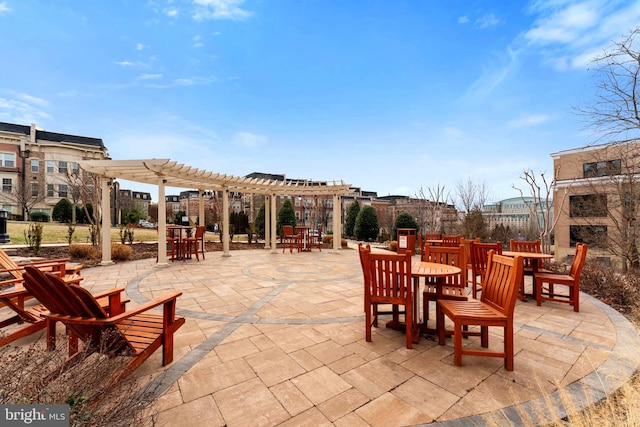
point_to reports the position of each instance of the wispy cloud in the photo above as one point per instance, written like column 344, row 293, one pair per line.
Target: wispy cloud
column 493, row 75
column 172, row 13
column 569, row 34
column 220, row 9
column 463, row 20
column 141, row 46
column 486, row 21
column 248, row 139
column 197, row 41
column 23, row 108
column 4, row 8
column 529, row 121
column 149, row 76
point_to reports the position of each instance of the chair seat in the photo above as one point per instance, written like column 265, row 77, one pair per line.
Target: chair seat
column 475, row 311
column 556, row 278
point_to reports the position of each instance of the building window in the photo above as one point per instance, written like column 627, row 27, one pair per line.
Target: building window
column 62, row 167
column 51, row 166
column 75, row 168
column 8, row 160
column 588, row 205
column 6, row 185
column 35, row 165
column 605, row 168
column 34, row 189
column 62, row 190
column 593, row 235
column 49, row 190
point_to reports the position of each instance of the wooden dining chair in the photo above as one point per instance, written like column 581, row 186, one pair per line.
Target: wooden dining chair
column 388, row 281
column 467, row 256
column 451, row 240
column 395, row 310
column 479, row 259
column 495, row 308
column 289, row 239
column 454, row 287
column 571, row 280
column 195, row 244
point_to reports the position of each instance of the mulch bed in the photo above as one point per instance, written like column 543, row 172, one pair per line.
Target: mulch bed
column 138, row 251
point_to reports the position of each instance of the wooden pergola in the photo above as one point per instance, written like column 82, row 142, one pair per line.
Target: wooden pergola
column 168, row 173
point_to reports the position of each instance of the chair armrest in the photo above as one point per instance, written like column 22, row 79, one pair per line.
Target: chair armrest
column 166, row 299
column 169, row 298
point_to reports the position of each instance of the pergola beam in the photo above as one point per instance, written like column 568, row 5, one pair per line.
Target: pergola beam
column 174, row 174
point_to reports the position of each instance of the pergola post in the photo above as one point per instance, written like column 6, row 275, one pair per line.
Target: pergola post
column 162, row 224
column 201, row 220
column 105, row 220
column 267, row 222
column 274, row 237
column 225, row 222
column 337, row 231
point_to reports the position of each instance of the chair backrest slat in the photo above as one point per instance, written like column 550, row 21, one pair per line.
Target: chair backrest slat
column 389, row 276
column 480, row 255
column 451, row 240
column 501, row 282
column 449, row 255
column 578, row 260
column 525, row 246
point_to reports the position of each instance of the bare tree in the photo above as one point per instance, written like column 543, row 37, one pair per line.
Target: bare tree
column 614, row 116
column 431, row 206
column 24, row 197
column 541, row 211
column 471, row 195
column 614, row 113
column 85, row 190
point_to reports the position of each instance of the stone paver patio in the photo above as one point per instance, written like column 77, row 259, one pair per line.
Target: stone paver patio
column 278, row 339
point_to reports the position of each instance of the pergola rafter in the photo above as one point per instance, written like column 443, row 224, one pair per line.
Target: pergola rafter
column 166, row 172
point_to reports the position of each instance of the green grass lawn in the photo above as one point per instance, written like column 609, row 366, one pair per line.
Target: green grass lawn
column 53, row 232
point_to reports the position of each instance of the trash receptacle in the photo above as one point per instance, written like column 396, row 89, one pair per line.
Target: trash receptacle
column 406, row 240
column 4, row 237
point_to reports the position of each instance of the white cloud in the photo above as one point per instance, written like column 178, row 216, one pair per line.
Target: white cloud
column 124, row 63
column 493, row 75
column 23, row 108
column 463, row 20
column 140, row 46
column 486, row 21
column 248, row 139
column 570, row 33
column 4, row 8
column 529, row 120
column 220, row 9
column 172, row 13
column 149, row 76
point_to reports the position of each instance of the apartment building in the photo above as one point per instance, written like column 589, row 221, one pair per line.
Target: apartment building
column 38, row 168
column 596, row 200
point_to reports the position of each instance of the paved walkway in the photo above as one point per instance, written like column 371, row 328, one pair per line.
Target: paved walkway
column 278, row 339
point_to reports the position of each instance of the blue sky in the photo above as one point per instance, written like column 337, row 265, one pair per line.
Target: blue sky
column 389, row 96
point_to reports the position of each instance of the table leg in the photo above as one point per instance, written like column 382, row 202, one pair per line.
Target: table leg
column 534, row 269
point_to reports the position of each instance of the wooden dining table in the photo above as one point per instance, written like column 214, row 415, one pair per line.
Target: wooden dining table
column 303, row 243
column 535, row 258
column 180, row 232
column 427, row 270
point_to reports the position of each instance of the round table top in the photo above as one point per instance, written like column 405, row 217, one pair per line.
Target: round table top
column 531, row 255
column 433, row 269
